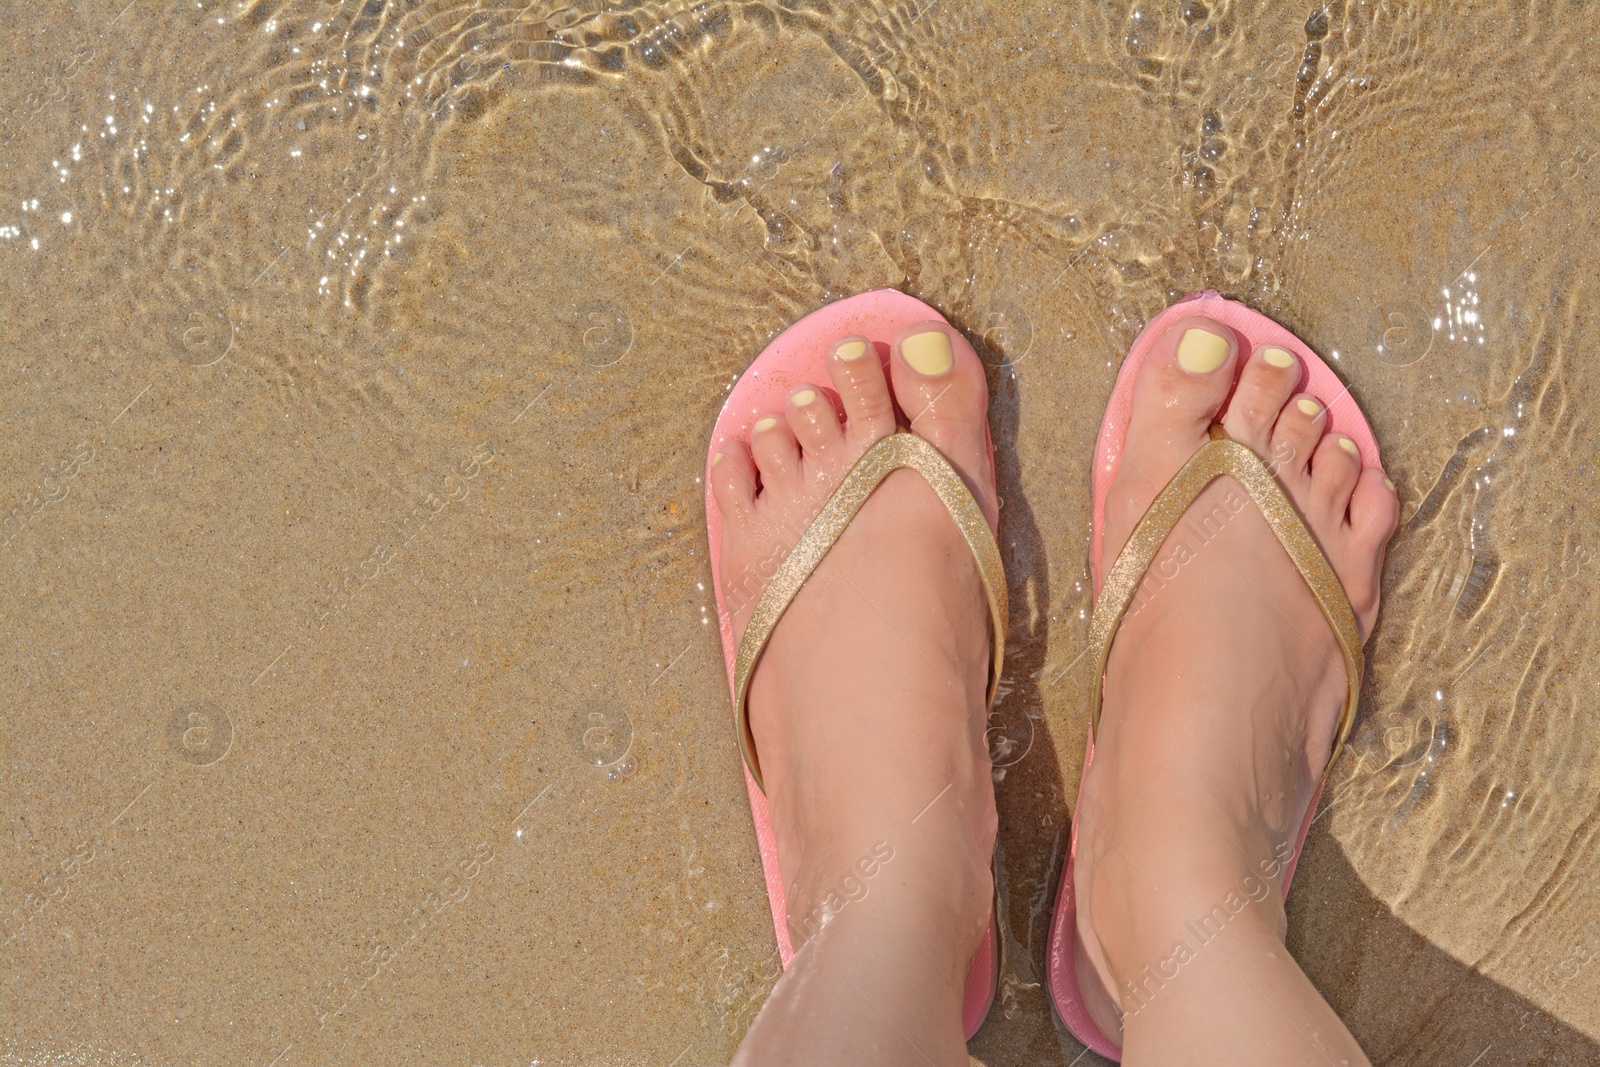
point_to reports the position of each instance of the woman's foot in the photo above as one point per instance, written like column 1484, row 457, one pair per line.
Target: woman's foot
column 868, row 705
column 1224, row 686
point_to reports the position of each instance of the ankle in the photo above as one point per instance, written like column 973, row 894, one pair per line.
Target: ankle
column 925, row 884
column 1193, row 953
column 1145, row 928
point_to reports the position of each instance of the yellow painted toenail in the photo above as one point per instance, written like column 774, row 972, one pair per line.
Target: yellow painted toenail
column 851, row 350
column 804, row 397
column 928, row 353
column 1349, row 446
column 766, row 424
column 1308, row 406
column 1389, row 482
column 718, row 458
column 1278, row 357
column 1201, row 351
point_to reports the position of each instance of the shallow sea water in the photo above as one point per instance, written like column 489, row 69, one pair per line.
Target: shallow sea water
column 362, row 695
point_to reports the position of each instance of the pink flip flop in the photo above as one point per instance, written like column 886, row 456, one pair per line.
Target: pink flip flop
column 1253, row 330
column 798, row 355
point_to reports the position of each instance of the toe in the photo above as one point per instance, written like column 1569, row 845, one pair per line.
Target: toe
column 1269, row 376
column 1182, row 385
column 857, row 372
column 1335, row 466
column 813, row 419
column 1295, row 436
column 1185, row 377
column 776, row 451
column 1374, row 514
column 733, row 480
column 939, row 383
column 1374, row 510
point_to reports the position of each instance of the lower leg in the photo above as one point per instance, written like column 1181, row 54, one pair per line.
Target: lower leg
column 881, row 981
column 1203, row 973
column 1240, row 1000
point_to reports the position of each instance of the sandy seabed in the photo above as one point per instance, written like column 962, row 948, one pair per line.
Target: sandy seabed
column 362, row 697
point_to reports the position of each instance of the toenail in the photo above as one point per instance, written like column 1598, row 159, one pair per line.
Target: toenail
column 1278, row 357
column 718, row 458
column 1201, row 351
column 1349, row 446
column 804, row 397
column 1308, row 406
column 928, row 353
column 766, row 424
column 1388, row 482
column 851, row 350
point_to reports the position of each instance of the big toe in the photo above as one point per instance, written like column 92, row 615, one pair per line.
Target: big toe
column 939, row 384
column 1182, row 385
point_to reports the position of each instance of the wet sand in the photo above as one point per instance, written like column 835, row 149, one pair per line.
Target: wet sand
column 362, row 701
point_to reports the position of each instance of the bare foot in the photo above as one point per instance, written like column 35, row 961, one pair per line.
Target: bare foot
column 1224, row 687
column 868, row 705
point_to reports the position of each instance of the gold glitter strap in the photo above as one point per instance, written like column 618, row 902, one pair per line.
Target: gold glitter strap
column 1217, row 457
column 882, row 459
